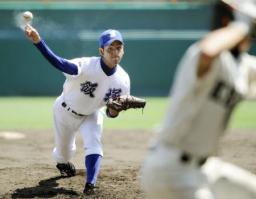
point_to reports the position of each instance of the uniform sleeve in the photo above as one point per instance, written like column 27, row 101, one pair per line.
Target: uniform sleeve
column 60, row 63
column 82, row 66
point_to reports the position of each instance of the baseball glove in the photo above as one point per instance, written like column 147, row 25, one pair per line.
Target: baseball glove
column 125, row 102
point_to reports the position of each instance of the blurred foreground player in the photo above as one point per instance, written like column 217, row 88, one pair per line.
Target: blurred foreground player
column 214, row 75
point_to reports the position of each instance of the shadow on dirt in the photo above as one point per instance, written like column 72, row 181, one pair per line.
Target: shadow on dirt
column 46, row 189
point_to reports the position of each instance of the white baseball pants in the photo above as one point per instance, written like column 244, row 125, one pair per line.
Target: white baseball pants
column 66, row 126
column 165, row 176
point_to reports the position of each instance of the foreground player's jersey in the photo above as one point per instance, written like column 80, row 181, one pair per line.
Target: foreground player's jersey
column 200, row 108
column 90, row 89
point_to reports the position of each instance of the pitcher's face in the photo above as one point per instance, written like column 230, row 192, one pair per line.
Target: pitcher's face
column 112, row 54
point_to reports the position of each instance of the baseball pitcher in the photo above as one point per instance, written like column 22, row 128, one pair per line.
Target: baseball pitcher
column 91, row 83
column 214, row 75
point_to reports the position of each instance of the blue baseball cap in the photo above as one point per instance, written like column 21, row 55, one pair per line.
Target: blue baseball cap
column 108, row 36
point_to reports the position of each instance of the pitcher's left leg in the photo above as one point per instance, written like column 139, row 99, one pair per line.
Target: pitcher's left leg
column 91, row 131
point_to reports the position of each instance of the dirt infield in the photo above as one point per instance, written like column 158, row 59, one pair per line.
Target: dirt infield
column 28, row 171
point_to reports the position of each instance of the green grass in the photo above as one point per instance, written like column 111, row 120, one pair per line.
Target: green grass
column 137, row 119
column 26, row 112
column 36, row 113
column 245, row 116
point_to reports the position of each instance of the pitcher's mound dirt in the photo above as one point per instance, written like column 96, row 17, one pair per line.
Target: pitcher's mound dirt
column 28, row 171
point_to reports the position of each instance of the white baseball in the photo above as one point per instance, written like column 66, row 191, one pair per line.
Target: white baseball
column 28, row 16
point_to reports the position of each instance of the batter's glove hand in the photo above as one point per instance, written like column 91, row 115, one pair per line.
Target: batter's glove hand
column 125, row 102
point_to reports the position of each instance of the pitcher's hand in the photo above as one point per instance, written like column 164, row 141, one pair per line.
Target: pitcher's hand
column 32, row 34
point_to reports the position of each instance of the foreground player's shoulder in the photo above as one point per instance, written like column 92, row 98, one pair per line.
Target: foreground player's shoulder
column 190, row 57
column 193, row 52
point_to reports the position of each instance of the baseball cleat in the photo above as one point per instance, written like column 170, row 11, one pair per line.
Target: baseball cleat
column 66, row 169
column 89, row 189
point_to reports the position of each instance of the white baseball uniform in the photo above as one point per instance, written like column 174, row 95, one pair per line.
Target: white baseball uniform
column 90, row 83
column 196, row 118
column 85, row 94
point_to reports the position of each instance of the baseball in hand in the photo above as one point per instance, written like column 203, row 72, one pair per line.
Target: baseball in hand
column 27, row 16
